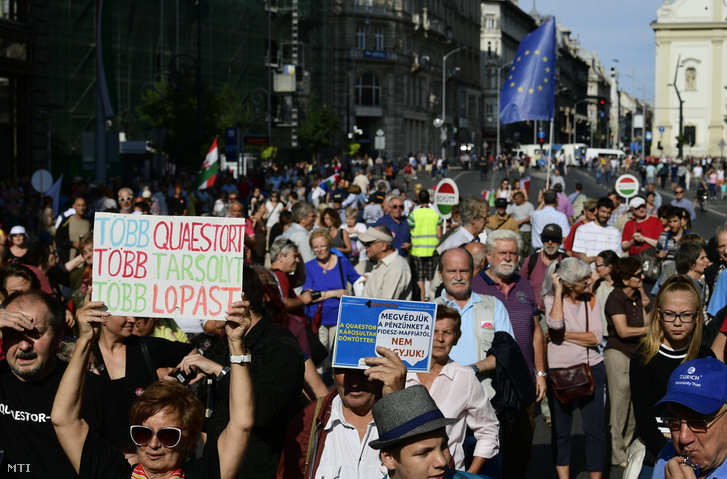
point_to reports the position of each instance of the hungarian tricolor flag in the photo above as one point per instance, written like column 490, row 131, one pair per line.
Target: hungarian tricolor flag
column 208, row 173
column 331, row 181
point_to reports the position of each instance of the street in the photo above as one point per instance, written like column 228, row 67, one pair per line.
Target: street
column 468, row 182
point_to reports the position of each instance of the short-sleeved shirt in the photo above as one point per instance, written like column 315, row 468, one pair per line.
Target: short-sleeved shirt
column 619, row 303
column 651, row 228
column 400, row 231
column 520, row 212
column 521, row 307
column 592, row 238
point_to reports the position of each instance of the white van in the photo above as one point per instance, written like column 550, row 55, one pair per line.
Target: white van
column 592, row 153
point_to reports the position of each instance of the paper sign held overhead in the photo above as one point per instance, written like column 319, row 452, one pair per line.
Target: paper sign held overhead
column 168, row 266
column 406, row 327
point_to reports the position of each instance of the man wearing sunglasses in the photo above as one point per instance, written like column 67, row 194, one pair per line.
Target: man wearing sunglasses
column 695, row 399
column 126, row 201
column 682, row 202
column 396, row 222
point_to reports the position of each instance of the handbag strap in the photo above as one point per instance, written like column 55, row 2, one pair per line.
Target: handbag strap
column 588, row 326
column 340, row 271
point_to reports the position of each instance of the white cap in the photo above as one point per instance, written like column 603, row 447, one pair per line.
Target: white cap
column 636, row 202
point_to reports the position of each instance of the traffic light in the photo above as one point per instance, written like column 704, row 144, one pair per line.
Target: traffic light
column 602, row 102
column 541, row 140
column 679, row 142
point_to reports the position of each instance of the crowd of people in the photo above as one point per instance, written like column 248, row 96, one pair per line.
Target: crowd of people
column 532, row 292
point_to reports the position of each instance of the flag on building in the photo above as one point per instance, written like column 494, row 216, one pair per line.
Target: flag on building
column 55, row 193
column 208, row 173
column 528, row 91
column 525, row 183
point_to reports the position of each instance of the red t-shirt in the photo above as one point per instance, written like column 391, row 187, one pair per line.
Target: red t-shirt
column 651, row 227
column 288, row 291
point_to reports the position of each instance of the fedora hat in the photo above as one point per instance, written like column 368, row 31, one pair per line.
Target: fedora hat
column 404, row 414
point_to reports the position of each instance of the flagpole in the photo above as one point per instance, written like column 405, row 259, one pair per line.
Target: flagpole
column 550, row 156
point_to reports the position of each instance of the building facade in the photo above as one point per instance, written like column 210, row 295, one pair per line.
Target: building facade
column 690, row 46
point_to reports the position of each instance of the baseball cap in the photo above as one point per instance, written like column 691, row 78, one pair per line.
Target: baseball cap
column 338, row 198
column 500, row 203
column 372, row 234
column 590, row 204
column 636, row 202
column 700, row 385
column 552, row 230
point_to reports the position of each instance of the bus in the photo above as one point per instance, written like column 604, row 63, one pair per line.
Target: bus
column 574, row 153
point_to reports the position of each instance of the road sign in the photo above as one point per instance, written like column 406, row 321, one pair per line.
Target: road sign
column 722, row 143
column 649, row 136
column 541, row 134
column 445, row 196
column 627, row 186
column 661, row 129
column 380, row 142
column 379, row 132
column 41, row 181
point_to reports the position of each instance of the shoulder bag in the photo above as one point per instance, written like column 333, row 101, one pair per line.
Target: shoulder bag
column 575, row 382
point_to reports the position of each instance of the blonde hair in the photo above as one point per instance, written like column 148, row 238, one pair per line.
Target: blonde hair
column 321, row 232
column 655, row 335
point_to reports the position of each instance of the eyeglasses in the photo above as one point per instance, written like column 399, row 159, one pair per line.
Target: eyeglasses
column 670, row 316
column 126, row 198
column 679, row 192
column 551, row 239
column 592, row 210
column 601, row 265
column 167, row 436
column 370, row 243
column 397, row 207
column 584, row 280
column 638, row 274
column 696, row 425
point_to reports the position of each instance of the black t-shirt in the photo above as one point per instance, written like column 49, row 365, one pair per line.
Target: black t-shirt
column 176, row 206
column 101, row 460
column 27, row 437
column 163, row 354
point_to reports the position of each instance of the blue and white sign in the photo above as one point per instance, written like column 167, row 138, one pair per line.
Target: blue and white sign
column 405, row 327
column 541, row 134
column 661, row 129
column 649, row 136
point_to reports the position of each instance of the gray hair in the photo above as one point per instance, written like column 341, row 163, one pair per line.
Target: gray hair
column 284, row 246
column 503, row 235
column 125, row 188
column 719, row 231
column 570, row 270
column 300, row 210
column 471, row 208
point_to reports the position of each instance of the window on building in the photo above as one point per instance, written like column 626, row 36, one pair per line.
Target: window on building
column 489, row 112
column 361, row 37
column 368, row 90
column 489, row 22
column 379, row 38
column 691, row 79
column 690, row 135
column 16, row 10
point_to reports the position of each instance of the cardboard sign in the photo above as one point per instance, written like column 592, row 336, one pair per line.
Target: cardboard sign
column 167, row 266
column 406, row 327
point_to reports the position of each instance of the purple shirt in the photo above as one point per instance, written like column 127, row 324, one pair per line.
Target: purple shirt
column 564, row 205
column 521, row 306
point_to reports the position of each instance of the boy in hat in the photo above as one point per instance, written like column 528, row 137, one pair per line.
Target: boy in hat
column 412, row 435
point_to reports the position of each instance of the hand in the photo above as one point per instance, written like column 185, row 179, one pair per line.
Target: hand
column 557, row 283
column 306, row 297
column 70, row 320
column 18, row 321
column 90, row 318
column 197, row 362
column 388, row 369
column 541, row 387
column 405, row 246
column 675, row 469
column 238, row 321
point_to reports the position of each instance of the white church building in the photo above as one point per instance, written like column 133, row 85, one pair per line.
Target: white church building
column 691, row 38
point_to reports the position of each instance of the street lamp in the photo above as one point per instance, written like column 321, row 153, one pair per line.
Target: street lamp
column 681, row 108
column 633, row 96
column 575, row 121
column 497, row 107
column 440, row 122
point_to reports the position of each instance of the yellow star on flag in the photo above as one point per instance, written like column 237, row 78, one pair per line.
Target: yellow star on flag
column 519, row 88
column 530, row 91
column 537, row 52
column 545, row 80
column 527, row 52
column 545, row 59
column 519, row 58
column 547, row 69
column 540, row 87
column 512, row 84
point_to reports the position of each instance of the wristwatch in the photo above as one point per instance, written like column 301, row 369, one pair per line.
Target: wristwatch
column 223, row 373
column 542, row 374
column 475, row 369
column 240, row 358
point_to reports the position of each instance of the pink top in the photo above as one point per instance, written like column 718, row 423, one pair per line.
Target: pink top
column 565, row 354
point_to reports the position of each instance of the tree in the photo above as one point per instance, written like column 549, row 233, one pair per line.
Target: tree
column 319, row 128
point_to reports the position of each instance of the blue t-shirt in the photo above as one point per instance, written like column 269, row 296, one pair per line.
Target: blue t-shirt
column 401, row 231
column 317, row 280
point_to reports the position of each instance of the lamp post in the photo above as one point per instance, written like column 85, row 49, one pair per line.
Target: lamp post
column 633, row 96
column 499, row 75
column 681, row 108
column 442, row 121
column 575, row 123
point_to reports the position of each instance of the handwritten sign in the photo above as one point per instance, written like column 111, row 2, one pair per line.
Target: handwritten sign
column 167, row 266
column 406, row 327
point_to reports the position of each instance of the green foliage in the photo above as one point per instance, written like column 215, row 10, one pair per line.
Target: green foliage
column 320, row 127
column 271, row 152
column 173, row 105
column 353, row 149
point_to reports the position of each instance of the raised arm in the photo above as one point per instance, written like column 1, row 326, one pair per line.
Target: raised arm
column 233, row 441
column 70, row 428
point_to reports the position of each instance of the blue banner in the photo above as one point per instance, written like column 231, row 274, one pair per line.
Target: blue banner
column 529, row 89
column 406, row 327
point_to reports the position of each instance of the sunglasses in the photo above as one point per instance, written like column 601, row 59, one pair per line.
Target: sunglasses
column 370, row 243
column 397, row 207
column 126, row 198
column 551, row 239
column 679, row 192
column 167, row 436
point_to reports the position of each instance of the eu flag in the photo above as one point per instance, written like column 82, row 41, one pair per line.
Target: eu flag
column 528, row 91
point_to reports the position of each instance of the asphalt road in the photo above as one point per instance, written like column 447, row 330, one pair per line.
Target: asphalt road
column 469, row 183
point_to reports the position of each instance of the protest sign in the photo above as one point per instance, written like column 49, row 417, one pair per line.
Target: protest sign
column 406, row 327
column 167, row 266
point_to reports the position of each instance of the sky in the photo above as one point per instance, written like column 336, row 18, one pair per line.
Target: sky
column 617, row 29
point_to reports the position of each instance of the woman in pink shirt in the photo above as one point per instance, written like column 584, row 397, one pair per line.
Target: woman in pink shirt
column 574, row 331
